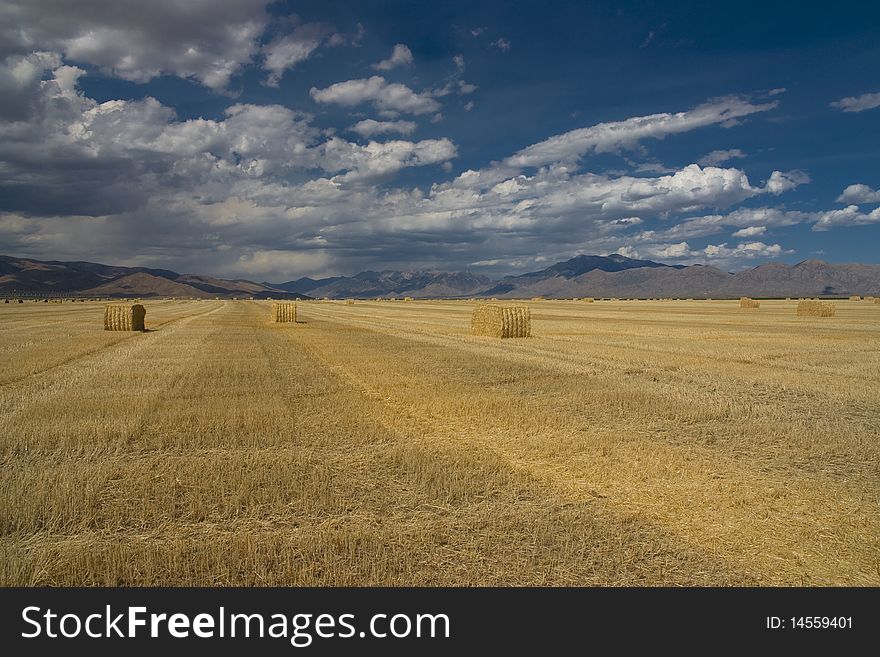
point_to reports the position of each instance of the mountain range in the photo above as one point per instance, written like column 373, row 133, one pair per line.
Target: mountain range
column 584, row 275
column 26, row 276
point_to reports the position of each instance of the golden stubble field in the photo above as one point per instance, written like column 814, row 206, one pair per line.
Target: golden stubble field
column 625, row 443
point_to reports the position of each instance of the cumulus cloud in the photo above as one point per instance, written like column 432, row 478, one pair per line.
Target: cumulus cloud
column 627, row 252
column 376, row 91
column 750, row 231
column 848, row 216
column 749, row 250
column 205, row 40
column 719, row 254
column 371, row 127
column 858, row 103
column 858, row 194
column 400, row 56
column 780, row 182
column 21, row 77
column 380, row 159
column 84, row 157
column 238, row 193
column 619, row 135
column 719, row 157
column 501, row 43
column 286, row 51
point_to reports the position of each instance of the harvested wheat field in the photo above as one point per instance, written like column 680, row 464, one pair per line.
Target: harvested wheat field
column 624, row 443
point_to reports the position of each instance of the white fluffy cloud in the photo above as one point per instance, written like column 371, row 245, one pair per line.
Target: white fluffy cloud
column 379, row 159
column 238, row 193
column 376, row 91
column 780, row 182
column 286, row 51
column 858, row 194
column 206, row 40
column 848, row 216
column 720, row 254
column 95, row 158
column 858, row 103
column 400, row 56
column 749, row 250
column 750, row 231
column 371, row 127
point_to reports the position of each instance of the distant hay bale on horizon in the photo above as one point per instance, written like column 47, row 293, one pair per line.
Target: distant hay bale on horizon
column 746, row 302
column 815, row 308
column 349, row 302
column 855, row 297
column 124, row 317
column 588, row 299
column 283, row 313
column 407, row 298
column 499, row 321
column 538, row 299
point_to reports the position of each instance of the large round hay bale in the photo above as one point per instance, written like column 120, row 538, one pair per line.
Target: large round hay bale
column 124, row 317
column 815, row 308
column 283, row 313
column 499, row 321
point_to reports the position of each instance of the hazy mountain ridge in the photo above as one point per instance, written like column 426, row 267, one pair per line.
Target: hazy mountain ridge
column 392, row 283
column 597, row 276
column 29, row 276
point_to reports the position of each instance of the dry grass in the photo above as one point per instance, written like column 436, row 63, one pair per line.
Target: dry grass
column 118, row 317
column 745, row 302
column 815, row 308
column 499, row 321
column 283, row 312
column 624, row 444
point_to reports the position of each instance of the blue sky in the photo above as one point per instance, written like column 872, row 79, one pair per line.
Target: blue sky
column 275, row 140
